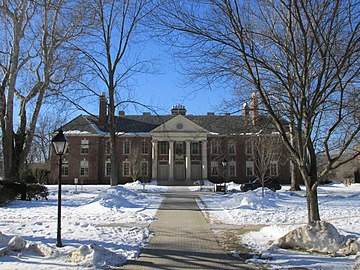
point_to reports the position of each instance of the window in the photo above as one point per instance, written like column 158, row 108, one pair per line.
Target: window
column 84, row 149
column 249, row 148
column 163, row 148
column 107, row 168
column 214, row 168
column 84, row 168
column 108, row 148
column 126, row 147
column 144, row 168
column 232, row 148
column 249, row 168
column 214, row 147
column 179, row 148
column 195, row 148
column 67, row 151
column 65, row 168
column 144, row 147
column 232, row 168
column 126, row 168
column 274, row 168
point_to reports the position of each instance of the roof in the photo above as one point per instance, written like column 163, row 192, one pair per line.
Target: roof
column 218, row 124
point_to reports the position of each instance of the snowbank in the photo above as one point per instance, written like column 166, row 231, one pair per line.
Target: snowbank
column 95, row 256
column 319, row 237
column 108, row 224
column 279, row 213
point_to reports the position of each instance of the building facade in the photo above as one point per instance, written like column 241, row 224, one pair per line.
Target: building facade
column 172, row 149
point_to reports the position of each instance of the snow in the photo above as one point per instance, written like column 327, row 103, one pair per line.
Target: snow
column 102, row 226
column 279, row 213
column 76, row 132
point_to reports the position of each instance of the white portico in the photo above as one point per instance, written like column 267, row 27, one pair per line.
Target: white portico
column 179, row 150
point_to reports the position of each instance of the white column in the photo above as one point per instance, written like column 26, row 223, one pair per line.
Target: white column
column 188, row 161
column 204, row 159
column 171, row 160
column 154, row 155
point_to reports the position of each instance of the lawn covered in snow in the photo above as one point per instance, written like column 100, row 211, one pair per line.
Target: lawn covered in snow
column 110, row 224
column 280, row 212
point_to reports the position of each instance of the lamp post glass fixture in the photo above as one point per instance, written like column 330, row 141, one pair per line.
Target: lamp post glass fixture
column 224, row 163
column 60, row 144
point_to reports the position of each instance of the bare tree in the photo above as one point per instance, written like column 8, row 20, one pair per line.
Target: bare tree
column 47, row 123
column 302, row 58
column 109, row 51
column 135, row 163
column 265, row 154
column 33, row 61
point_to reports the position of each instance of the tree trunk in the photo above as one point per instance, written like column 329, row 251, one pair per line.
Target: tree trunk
column 311, row 182
column 114, row 161
column 295, row 186
column 112, row 129
column 312, row 204
column 7, row 140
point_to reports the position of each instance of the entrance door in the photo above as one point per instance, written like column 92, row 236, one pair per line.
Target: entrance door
column 196, row 170
column 179, row 170
column 163, row 172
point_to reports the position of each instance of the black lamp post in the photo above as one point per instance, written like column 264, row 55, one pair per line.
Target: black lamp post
column 60, row 144
column 224, row 163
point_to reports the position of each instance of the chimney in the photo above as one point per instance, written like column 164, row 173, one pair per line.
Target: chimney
column 254, row 108
column 245, row 109
column 102, row 108
column 178, row 109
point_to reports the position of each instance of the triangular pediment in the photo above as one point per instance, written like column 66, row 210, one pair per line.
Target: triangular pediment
column 179, row 124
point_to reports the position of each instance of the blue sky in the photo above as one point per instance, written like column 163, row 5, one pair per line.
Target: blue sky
column 167, row 87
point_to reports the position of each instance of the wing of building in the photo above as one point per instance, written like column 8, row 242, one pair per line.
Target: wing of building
column 178, row 148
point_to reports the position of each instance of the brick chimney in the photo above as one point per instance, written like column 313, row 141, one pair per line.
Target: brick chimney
column 102, row 108
column 178, row 109
column 254, row 108
column 245, row 109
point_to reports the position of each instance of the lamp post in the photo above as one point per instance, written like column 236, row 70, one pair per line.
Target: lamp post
column 224, row 164
column 60, row 144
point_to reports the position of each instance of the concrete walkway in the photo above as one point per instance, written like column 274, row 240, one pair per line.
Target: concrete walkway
column 183, row 239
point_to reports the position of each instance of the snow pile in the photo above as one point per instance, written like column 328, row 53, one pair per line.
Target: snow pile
column 95, row 256
column 110, row 220
column 254, row 200
column 320, row 237
column 19, row 246
column 117, row 197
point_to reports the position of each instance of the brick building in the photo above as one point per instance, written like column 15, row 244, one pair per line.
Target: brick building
column 173, row 149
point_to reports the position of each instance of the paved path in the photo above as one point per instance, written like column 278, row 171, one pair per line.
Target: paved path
column 183, row 239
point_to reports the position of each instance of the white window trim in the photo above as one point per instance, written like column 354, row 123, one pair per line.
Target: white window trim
column 86, row 168
column 214, row 164
column 197, row 147
column 229, row 147
column 84, row 145
column 65, row 164
column 214, row 145
column 249, row 146
column 123, row 169
column 250, row 164
column 124, row 147
column 147, row 168
column 143, row 143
